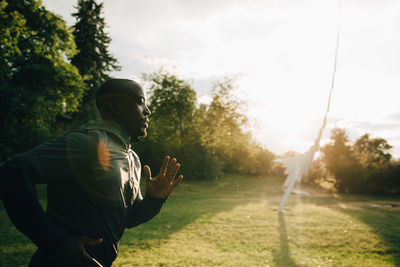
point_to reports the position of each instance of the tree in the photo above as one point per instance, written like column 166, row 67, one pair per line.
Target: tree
column 93, row 59
column 172, row 103
column 364, row 167
column 318, row 175
column 372, row 152
column 36, row 80
column 206, row 138
column 223, row 128
column 224, row 116
column 264, row 161
column 377, row 171
column 175, row 126
column 341, row 163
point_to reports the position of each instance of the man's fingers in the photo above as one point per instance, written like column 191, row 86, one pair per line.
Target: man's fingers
column 164, row 165
column 90, row 261
column 174, row 172
column 177, row 181
column 147, row 172
column 171, row 167
column 86, row 241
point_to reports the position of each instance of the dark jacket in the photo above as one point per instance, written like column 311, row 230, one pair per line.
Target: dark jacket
column 92, row 178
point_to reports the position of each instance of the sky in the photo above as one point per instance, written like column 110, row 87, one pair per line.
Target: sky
column 282, row 52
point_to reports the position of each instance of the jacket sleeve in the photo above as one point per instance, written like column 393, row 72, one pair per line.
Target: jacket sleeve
column 143, row 210
column 20, row 200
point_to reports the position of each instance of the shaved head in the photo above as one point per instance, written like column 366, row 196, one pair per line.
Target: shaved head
column 116, row 87
column 113, row 89
column 123, row 101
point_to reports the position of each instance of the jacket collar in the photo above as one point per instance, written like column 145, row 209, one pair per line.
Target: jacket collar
column 111, row 127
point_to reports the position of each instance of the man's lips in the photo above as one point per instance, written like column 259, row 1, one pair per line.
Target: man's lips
column 146, row 123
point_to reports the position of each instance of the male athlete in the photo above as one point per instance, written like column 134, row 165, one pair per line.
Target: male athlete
column 92, row 178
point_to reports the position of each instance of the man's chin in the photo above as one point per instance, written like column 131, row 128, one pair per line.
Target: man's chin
column 139, row 135
column 143, row 133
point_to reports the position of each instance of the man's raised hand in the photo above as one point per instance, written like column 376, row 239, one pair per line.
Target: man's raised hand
column 162, row 185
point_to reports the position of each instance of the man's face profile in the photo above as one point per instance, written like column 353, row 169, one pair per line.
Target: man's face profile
column 134, row 115
column 123, row 101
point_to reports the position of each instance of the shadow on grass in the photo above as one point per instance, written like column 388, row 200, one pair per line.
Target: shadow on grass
column 283, row 257
column 385, row 222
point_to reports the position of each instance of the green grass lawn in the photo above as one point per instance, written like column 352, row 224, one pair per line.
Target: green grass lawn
column 233, row 222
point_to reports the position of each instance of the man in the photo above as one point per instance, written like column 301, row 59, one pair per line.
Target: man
column 92, row 178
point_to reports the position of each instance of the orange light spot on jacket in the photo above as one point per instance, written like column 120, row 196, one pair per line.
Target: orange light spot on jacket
column 103, row 155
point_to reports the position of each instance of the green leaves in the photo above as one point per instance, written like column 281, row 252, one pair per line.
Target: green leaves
column 206, row 138
column 172, row 104
column 362, row 167
column 372, row 151
column 36, row 78
column 93, row 59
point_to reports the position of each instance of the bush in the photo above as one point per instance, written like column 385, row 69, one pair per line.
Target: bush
column 365, row 167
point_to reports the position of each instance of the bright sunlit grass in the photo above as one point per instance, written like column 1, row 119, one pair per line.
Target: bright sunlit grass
column 233, row 222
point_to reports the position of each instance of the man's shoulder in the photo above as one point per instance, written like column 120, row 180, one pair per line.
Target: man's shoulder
column 108, row 130
column 73, row 141
column 64, row 156
column 84, row 137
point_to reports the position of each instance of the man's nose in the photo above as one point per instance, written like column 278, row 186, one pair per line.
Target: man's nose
column 147, row 111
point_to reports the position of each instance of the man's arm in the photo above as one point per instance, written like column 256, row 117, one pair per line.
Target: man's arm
column 44, row 164
column 157, row 191
column 143, row 210
column 20, row 200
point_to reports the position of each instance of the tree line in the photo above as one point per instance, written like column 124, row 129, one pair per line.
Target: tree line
column 362, row 167
column 48, row 70
column 209, row 139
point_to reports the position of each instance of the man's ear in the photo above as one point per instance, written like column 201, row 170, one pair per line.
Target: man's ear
column 114, row 106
